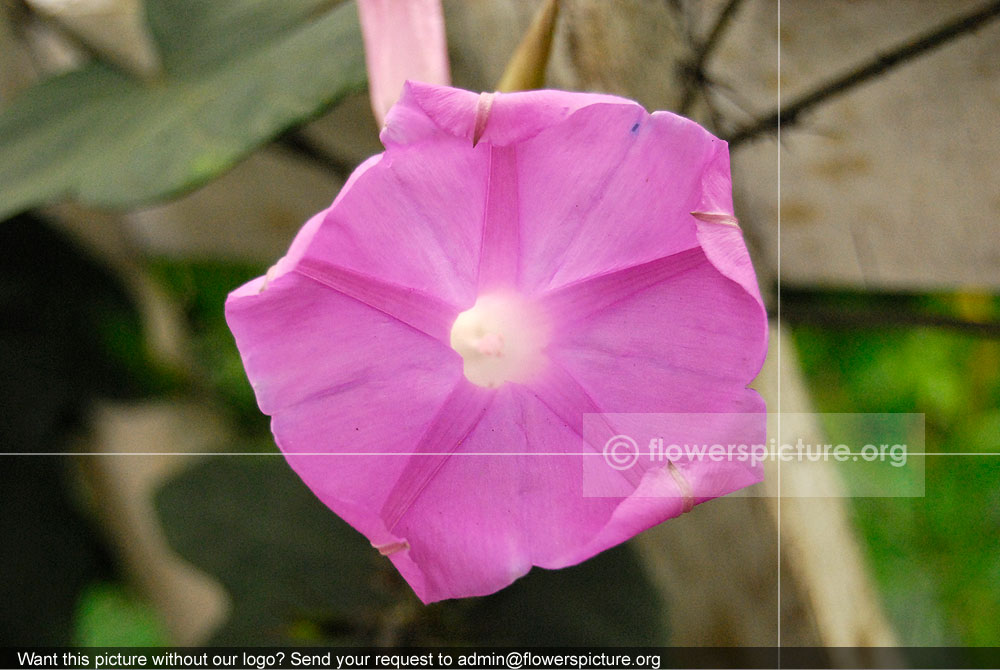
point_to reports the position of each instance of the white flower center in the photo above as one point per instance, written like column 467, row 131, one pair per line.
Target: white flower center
column 500, row 339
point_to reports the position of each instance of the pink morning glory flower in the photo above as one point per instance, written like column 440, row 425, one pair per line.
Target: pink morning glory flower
column 431, row 344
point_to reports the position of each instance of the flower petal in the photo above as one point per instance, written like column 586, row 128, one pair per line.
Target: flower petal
column 498, row 261
column 656, row 500
column 688, row 344
column 420, row 311
column 329, row 369
column 425, row 112
column 403, row 40
column 507, row 502
column 575, row 302
column 512, row 498
column 458, row 416
column 609, row 188
column 718, row 231
column 413, row 219
column 299, row 339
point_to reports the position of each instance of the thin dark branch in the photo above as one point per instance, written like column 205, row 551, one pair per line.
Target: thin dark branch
column 882, row 63
column 300, row 145
column 718, row 30
column 696, row 68
column 867, row 319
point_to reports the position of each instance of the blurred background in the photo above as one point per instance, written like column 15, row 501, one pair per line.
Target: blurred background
column 155, row 154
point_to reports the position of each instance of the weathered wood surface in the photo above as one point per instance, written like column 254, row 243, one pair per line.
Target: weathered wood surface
column 892, row 185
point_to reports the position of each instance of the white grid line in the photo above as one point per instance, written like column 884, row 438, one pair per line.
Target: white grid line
column 706, row 456
column 778, row 152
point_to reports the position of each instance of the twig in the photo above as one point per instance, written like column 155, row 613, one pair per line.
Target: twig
column 695, row 70
column 866, row 319
column 880, row 64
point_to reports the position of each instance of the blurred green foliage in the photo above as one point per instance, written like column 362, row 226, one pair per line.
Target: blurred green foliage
column 200, row 288
column 109, row 614
column 936, row 558
column 236, row 74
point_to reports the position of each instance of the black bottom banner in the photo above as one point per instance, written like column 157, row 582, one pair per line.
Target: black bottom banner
column 461, row 658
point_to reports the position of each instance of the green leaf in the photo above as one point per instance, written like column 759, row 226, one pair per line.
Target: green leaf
column 237, row 73
column 283, row 557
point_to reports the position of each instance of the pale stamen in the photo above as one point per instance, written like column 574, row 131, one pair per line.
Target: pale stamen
column 500, row 339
